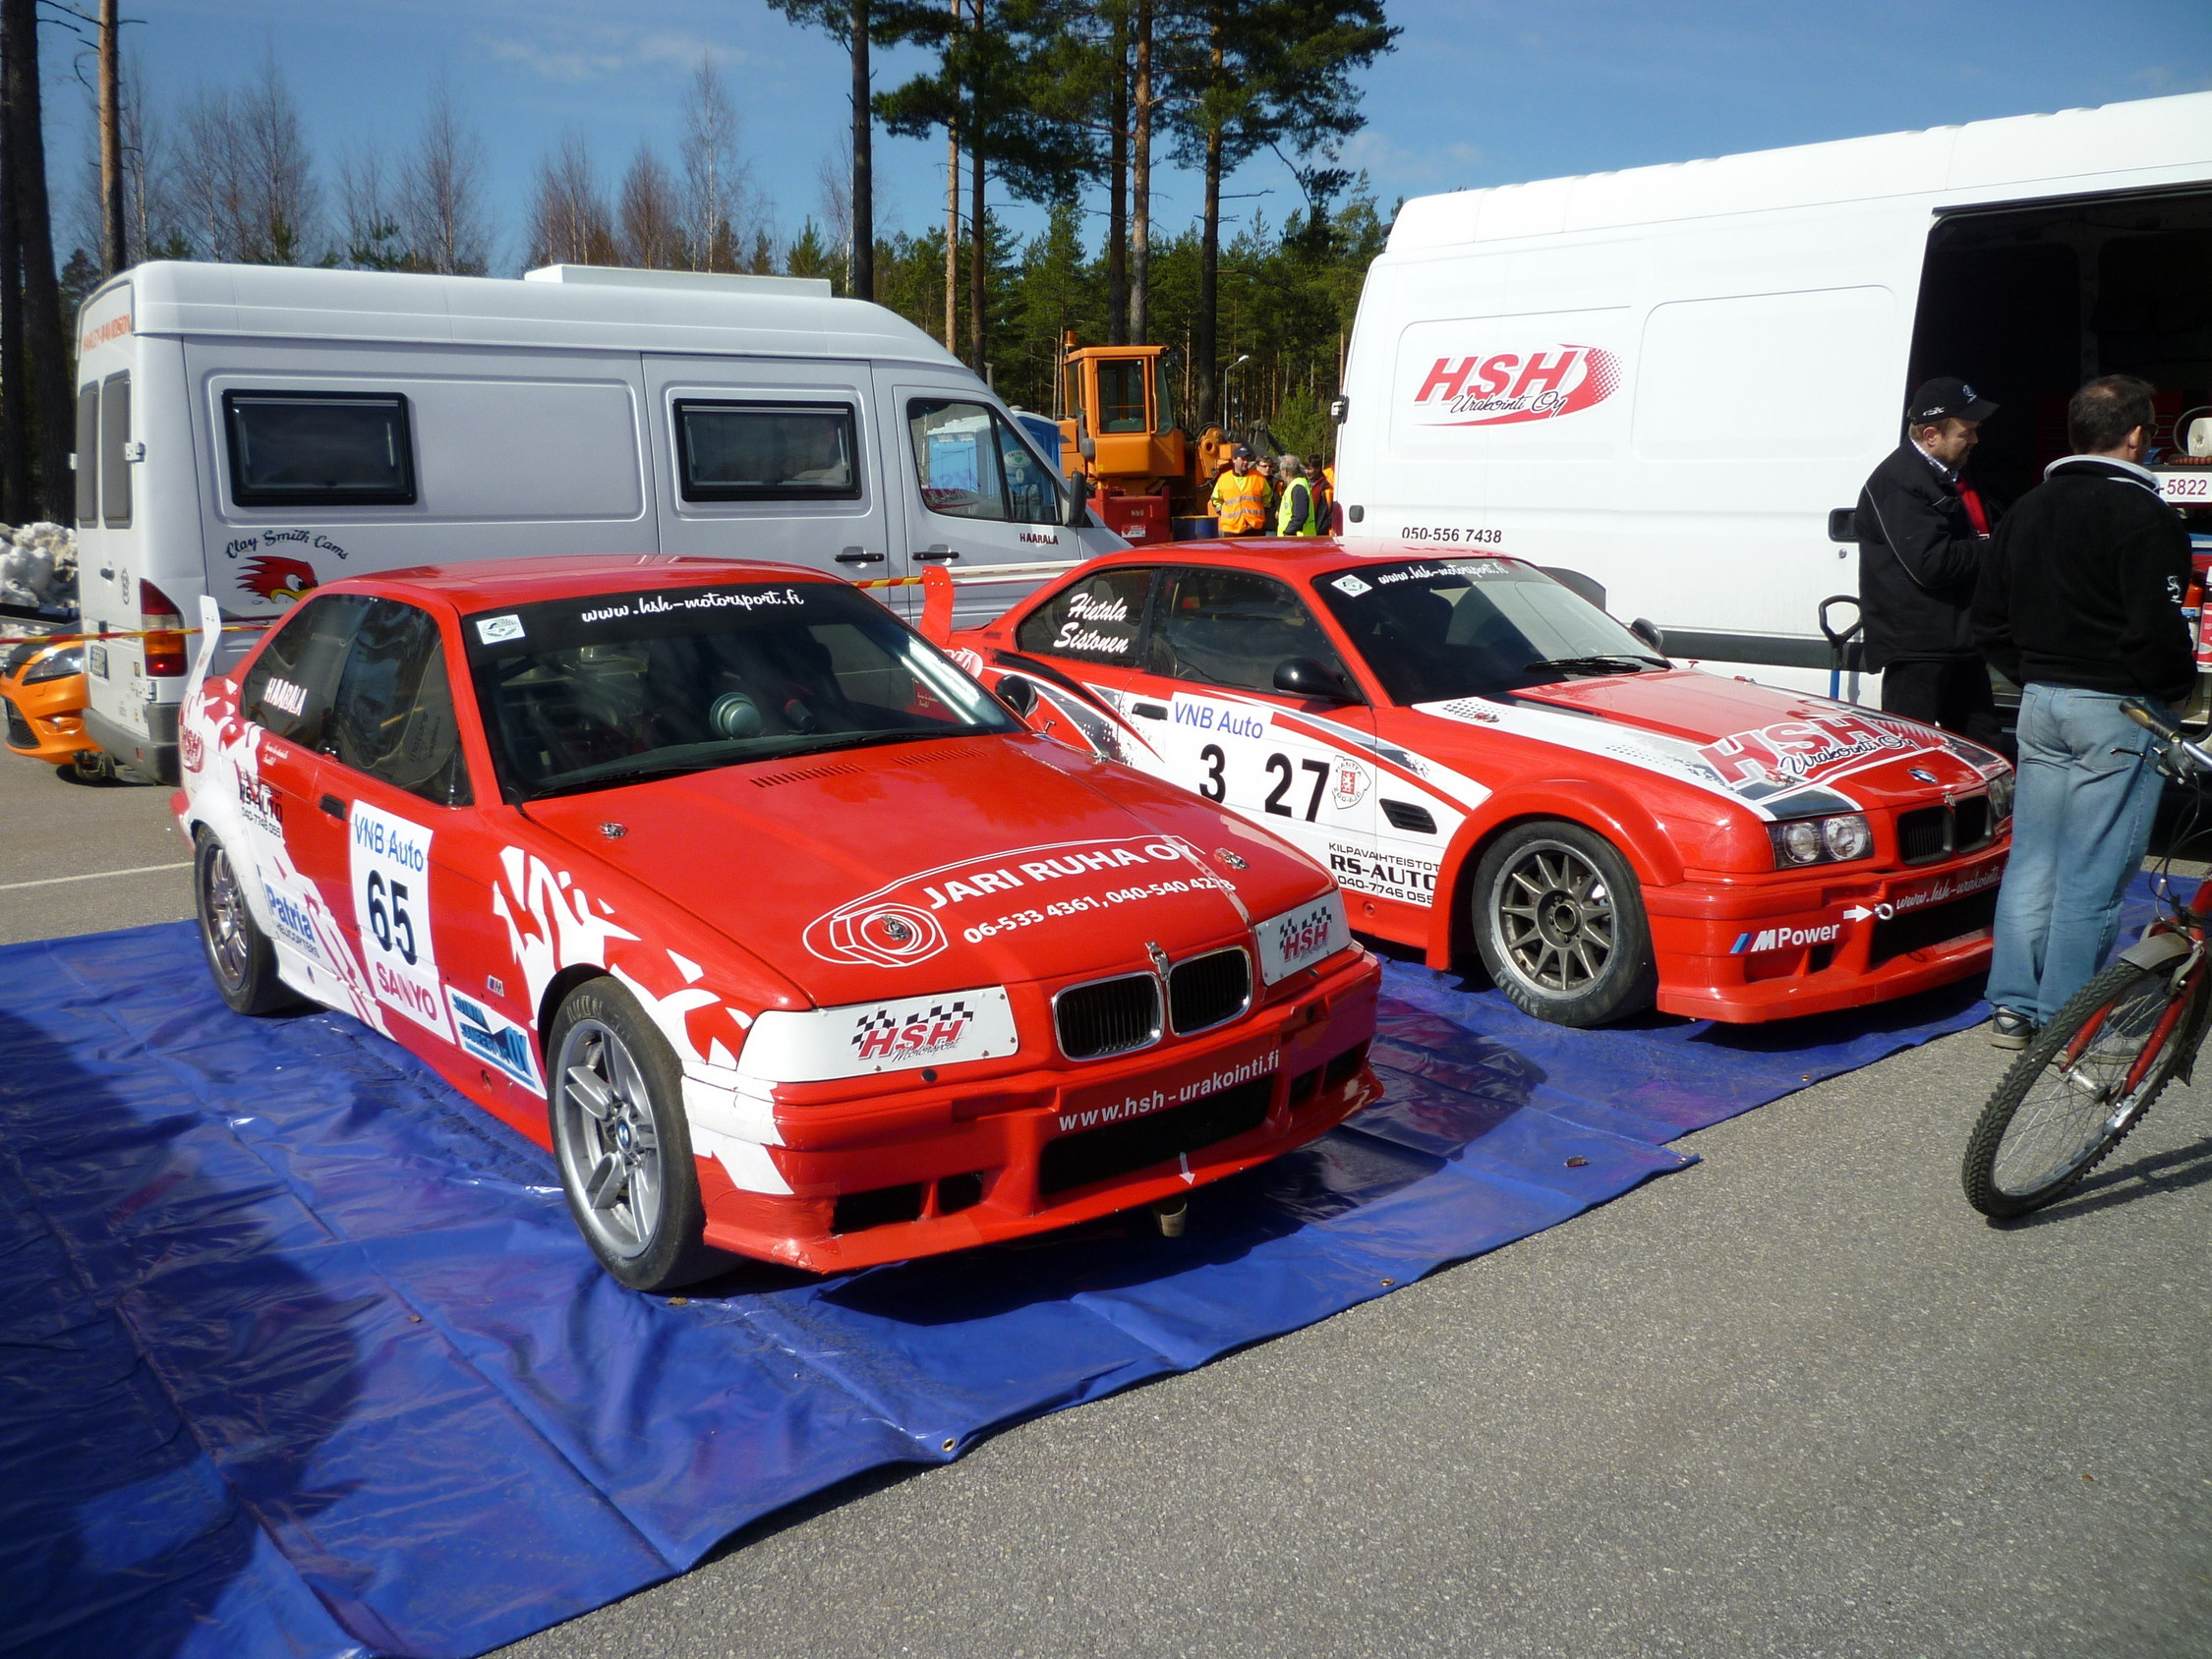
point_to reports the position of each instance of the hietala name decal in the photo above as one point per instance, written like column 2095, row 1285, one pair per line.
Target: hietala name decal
column 915, row 918
column 1508, row 388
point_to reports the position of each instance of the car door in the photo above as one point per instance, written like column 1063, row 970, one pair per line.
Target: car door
column 973, row 494
column 415, row 908
column 1206, row 696
column 295, row 846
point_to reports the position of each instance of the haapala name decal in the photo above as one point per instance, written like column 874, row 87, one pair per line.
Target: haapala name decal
column 1504, row 388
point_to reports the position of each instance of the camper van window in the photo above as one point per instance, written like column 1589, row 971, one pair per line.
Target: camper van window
column 973, row 464
column 318, row 449
column 768, row 452
column 89, row 457
column 115, row 433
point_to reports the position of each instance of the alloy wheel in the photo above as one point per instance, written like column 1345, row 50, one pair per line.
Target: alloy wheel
column 1556, row 918
column 608, row 1138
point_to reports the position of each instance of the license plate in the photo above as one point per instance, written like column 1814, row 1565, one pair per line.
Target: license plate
column 96, row 660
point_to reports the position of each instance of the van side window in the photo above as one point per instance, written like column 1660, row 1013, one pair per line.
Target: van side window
column 290, row 688
column 318, row 449
column 1098, row 619
column 393, row 716
column 89, row 456
column 115, row 433
column 768, row 451
column 972, row 465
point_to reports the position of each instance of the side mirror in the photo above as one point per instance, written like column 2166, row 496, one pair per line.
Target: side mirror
column 1302, row 676
column 1078, row 489
column 1649, row 633
column 1017, row 694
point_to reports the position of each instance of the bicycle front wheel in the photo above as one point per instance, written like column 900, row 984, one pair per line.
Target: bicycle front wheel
column 2077, row 1090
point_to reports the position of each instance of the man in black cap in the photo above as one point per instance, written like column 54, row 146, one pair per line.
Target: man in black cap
column 1922, row 531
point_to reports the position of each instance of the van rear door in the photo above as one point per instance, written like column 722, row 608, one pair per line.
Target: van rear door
column 772, row 458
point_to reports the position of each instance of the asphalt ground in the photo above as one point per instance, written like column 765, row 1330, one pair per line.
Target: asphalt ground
column 1797, row 1399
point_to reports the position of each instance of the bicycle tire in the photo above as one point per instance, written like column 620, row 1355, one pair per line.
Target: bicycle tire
column 2051, row 1119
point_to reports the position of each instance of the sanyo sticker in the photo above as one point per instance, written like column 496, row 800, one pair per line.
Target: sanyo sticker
column 391, row 892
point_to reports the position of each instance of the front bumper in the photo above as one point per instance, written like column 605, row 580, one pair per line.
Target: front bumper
column 46, row 721
column 924, row 1170
column 1749, row 951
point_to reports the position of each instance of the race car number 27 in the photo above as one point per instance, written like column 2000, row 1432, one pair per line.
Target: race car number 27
column 391, row 907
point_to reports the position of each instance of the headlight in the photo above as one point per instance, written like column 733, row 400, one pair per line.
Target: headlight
column 58, row 666
column 2000, row 796
column 1821, row 840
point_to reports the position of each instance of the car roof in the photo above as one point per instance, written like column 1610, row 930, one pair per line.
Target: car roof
column 1288, row 555
column 484, row 584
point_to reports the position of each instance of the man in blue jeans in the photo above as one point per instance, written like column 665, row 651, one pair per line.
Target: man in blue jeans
column 2079, row 602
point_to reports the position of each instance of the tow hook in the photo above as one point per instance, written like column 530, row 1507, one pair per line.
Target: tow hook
column 1171, row 1214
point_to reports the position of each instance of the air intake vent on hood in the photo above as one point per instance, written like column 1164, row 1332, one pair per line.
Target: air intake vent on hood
column 800, row 776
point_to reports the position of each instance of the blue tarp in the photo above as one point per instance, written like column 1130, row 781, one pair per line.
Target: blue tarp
column 300, row 1354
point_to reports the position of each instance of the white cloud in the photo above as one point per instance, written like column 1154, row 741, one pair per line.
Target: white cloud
column 577, row 52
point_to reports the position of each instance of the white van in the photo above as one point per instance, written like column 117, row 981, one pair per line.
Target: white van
column 249, row 431
column 1674, row 380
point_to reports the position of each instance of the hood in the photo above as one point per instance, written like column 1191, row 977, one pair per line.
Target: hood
column 1781, row 752
column 937, row 865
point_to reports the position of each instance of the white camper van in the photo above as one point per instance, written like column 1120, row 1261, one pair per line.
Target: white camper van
column 1674, row 380
column 248, row 432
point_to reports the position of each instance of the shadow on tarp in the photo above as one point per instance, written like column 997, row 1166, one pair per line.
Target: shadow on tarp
column 337, row 1373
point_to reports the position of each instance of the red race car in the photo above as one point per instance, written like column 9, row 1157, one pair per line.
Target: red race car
column 1491, row 764
column 784, row 936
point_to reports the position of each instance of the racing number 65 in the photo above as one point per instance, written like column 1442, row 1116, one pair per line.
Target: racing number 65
column 396, row 921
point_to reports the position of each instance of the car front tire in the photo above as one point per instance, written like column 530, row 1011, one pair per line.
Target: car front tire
column 239, row 954
column 616, row 1092
column 1559, row 922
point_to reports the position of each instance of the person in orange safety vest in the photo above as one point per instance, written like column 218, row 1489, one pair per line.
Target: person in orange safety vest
column 1240, row 498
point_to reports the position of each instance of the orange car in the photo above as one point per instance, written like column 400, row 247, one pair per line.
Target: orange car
column 42, row 693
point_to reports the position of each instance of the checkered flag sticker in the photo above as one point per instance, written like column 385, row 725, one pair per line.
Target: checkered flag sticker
column 887, row 1023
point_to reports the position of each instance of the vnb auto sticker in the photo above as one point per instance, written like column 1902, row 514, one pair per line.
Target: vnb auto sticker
column 910, row 920
column 495, row 1040
column 391, row 907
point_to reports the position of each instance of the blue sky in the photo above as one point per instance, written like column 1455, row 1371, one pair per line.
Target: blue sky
column 1478, row 92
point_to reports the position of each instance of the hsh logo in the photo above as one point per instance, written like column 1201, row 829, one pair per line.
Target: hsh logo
column 1504, row 388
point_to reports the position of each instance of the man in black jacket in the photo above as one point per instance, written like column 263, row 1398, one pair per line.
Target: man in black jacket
column 1922, row 530
column 2080, row 602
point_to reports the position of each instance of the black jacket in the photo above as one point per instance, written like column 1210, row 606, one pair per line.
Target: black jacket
column 2083, row 586
column 1918, row 559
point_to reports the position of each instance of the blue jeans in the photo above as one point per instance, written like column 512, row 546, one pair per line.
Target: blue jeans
column 2088, row 789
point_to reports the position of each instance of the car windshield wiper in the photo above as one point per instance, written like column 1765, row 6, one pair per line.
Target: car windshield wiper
column 619, row 776
column 1603, row 662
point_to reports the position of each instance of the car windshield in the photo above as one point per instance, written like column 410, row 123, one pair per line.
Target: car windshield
column 613, row 688
column 1433, row 629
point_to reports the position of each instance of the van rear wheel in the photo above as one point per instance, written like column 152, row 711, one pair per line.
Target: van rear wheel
column 1559, row 922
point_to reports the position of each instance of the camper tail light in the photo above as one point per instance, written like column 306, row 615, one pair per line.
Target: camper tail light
column 164, row 639
column 1820, row 840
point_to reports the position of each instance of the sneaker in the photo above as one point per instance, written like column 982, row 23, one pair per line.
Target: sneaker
column 2009, row 1030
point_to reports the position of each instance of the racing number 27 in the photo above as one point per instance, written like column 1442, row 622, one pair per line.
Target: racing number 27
column 1214, row 786
column 393, row 923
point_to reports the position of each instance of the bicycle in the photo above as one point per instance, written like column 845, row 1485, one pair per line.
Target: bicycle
column 2090, row 1075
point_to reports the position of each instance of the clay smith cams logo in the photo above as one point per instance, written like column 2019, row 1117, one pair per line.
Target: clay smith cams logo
column 909, row 1033
column 1504, row 388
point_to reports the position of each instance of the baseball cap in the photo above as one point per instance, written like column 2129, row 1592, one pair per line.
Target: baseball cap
column 1947, row 399
column 1241, row 453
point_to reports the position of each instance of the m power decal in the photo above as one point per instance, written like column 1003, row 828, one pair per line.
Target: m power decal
column 1785, row 938
column 911, row 920
column 1498, row 389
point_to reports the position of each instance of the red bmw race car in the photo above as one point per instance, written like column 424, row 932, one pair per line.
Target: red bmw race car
column 784, row 936
column 1487, row 761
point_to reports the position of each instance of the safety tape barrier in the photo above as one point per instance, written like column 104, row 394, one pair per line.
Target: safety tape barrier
column 129, row 633
column 1002, row 573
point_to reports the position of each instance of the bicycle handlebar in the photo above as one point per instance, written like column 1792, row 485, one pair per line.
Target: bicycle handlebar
column 2151, row 721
